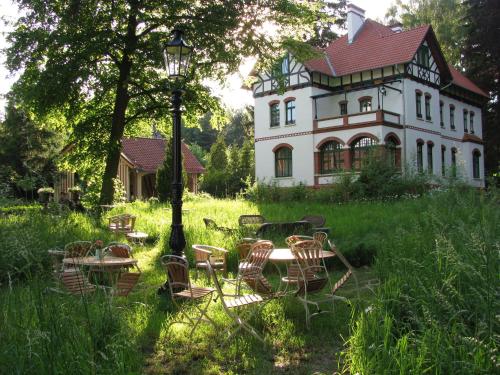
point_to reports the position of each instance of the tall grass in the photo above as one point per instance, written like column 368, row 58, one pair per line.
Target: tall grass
column 436, row 309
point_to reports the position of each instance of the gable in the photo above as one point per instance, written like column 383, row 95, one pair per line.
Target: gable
column 292, row 74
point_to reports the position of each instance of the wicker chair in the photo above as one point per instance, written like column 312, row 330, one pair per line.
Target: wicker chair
column 77, row 249
column 125, row 284
column 181, row 289
column 216, row 255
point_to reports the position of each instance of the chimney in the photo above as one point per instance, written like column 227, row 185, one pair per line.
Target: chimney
column 355, row 19
column 397, row 27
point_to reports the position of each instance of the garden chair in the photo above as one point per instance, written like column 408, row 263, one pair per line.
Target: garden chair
column 120, row 250
column 76, row 283
column 251, row 220
column 210, row 224
column 123, row 223
column 216, row 255
column 292, row 270
column 350, row 270
column 125, row 283
column 313, row 277
column 252, row 273
column 232, row 306
column 243, row 247
column 77, row 249
column 181, row 289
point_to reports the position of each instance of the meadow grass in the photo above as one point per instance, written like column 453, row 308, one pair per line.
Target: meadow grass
column 46, row 332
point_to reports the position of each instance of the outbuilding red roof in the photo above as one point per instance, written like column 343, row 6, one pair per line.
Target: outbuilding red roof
column 376, row 46
column 147, row 154
column 460, row 80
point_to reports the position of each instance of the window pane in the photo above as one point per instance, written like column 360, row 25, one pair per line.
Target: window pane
column 418, row 103
column 290, row 112
column 283, row 162
column 428, row 107
column 475, row 165
column 465, row 122
column 472, row 122
column 360, row 151
column 452, row 117
column 365, row 105
column 430, row 167
column 275, row 114
column 331, row 157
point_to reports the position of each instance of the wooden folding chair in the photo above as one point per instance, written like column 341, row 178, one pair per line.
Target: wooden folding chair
column 125, row 284
column 292, row 269
column 233, row 305
column 350, row 271
column 76, row 283
column 181, row 289
column 313, row 277
column 216, row 255
column 76, row 249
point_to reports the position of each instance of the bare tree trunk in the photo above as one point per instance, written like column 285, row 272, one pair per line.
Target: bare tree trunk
column 120, row 108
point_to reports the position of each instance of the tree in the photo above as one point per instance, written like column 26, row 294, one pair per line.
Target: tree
column 332, row 15
column 445, row 16
column 28, row 150
column 240, row 126
column 482, row 64
column 99, row 62
column 218, row 156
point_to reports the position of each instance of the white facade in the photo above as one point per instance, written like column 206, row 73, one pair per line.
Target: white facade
column 392, row 117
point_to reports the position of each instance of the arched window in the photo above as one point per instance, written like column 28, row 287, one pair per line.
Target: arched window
column 466, row 121
column 331, row 157
column 360, row 150
column 390, row 151
column 274, row 113
column 420, row 156
column 290, row 112
column 283, row 162
column 428, row 106
column 476, row 156
column 430, row 165
column 418, row 103
column 454, row 162
column 443, row 160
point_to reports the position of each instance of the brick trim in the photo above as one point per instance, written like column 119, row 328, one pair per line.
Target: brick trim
column 328, row 139
column 362, row 135
column 420, row 141
column 273, row 102
column 365, row 98
column 289, row 99
column 281, row 145
column 394, row 136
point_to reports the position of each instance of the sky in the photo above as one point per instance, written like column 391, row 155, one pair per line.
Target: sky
column 231, row 93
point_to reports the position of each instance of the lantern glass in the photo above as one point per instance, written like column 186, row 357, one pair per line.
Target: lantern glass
column 177, row 55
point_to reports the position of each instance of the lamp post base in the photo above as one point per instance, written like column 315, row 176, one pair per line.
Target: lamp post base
column 177, row 241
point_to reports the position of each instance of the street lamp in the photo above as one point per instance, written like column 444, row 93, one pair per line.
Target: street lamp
column 177, row 54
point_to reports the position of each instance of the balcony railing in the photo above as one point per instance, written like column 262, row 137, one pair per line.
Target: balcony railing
column 378, row 117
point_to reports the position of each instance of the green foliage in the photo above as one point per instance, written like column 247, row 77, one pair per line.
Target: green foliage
column 119, row 190
column 434, row 309
column 218, row 156
column 480, row 60
column 445, row 16
column 100, row 64
column 27, row 151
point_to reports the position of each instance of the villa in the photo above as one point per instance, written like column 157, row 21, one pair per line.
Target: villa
column 375, row 87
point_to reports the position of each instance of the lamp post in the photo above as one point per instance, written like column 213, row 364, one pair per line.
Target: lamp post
column 177, row 54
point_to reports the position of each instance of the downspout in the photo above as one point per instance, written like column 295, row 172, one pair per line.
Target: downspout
column 404, row 129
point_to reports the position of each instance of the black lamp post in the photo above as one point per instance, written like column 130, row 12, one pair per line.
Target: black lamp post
column 177, row 54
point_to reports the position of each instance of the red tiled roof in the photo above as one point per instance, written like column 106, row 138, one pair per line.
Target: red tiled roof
column 374, row 46
column 147, row 154
column 460, row 80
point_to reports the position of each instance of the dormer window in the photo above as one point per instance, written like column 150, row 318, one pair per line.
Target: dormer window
column 365, row 104
column 423, row 56
column 285, row 65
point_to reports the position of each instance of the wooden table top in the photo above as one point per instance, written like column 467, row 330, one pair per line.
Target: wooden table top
column 137, row 235
column 286, row 255
column 107, row 261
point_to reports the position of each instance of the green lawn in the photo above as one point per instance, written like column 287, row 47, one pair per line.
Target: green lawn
column 45, row 332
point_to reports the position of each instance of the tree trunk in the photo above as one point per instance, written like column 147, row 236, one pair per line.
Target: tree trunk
column 121, row 102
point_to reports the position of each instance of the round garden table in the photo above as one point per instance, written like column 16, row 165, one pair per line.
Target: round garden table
column 137, row 238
